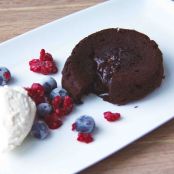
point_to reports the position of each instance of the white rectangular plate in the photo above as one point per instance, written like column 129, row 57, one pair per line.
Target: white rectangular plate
column 61, row 153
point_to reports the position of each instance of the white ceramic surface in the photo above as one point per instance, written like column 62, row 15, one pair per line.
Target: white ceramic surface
column 61, row 153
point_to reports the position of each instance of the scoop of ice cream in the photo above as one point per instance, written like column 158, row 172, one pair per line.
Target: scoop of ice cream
column 17, row 113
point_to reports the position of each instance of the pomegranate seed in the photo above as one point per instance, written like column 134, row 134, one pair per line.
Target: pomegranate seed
column 84, row 137
column 109, row 116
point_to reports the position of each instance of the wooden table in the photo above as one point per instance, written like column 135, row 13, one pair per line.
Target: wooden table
column 153, row 154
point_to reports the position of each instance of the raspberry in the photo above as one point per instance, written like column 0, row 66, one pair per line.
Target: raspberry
column 38, row 88
column 53, row 121
column 45, row 56
column 62, row 105
column 48, row 67
column 7, row 75
column 35, row 65
column 86, row 138
column 109, row 116
column 73, row 127
column 44, row 65
column 57, row 102
column 60, row 112
column 67, row 104
column 37, row 93
column 57, row 106
column 42, row 54
column 38, row 100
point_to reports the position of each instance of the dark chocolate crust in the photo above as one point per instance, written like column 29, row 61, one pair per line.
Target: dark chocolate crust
column 119, row 65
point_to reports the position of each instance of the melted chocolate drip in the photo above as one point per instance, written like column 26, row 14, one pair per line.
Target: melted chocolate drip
column 110, row 61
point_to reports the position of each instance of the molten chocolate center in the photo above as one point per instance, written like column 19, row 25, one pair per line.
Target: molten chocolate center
column 111, row 60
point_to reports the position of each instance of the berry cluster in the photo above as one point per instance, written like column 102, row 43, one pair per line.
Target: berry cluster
column 52, row 104
column 44, row 65
column 84, row 125
column 5, row 76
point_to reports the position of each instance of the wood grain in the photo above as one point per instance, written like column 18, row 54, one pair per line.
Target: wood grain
column 153, row 154
column 19, row 16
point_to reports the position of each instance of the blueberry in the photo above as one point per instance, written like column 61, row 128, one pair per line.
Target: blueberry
column 44, row 109
column 58, row 92
column 1, row 81
column 54, row 93
column 40, row 130
column 49, row 84
column 85, row 124
column 5, row 76
column 63, row 93
column 47, row 87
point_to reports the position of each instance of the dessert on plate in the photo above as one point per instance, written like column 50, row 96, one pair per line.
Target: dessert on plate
column 119, row 65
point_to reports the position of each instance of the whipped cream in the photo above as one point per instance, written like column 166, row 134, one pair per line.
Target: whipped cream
column 17, row 113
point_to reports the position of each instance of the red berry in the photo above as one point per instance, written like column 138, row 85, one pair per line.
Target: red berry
column 68, row 104
column 48, row 57
column 73, row 126
column 48, row 67
column 33, row 61
column 38, row 100
column 36, row 92
column 57, row 106
column 35, row 65
column 57, row 102
column 42, row 53
column 38, row 88
column 7, row 75
column 45, row 56
column 109, row 116
column 44, row 65
column 53, row 121
column 67, row 101
column 62, row 105
column 84, row 137
column 60, row 112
